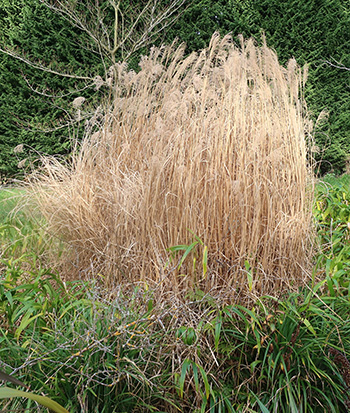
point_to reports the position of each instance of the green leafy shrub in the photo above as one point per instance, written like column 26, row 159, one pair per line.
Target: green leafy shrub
column 81, row 350
column 332, row 214
column 274, row 357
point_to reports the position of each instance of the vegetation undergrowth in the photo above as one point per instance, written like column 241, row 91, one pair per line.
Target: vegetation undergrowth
column 23, row 230
column 332, row 214
column 130, row 353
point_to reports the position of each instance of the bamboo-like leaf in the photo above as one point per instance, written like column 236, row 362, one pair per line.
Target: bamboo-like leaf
column 7, row 393
column 249, row 275
column 186, row 364
column 195, row 375
column 11, row 379
column 263, row 408
column 188, row 250
column 196, row 236
column 218, row 325
column 25, row 322
column 205, row 261
column 309, row 326
column 205, row 381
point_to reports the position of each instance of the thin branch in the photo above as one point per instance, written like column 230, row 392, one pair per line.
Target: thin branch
column 39, row 66
column 60, row 96
column 116, row 8
column 150, row 30
column 110, row 41
column 132, row 29
column 337, row 64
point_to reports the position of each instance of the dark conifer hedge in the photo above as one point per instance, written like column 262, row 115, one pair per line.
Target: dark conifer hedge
column 32, row 110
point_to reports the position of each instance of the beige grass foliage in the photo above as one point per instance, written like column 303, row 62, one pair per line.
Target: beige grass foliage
column 213, row 142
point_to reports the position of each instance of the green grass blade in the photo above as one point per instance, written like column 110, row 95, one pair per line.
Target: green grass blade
column 205, row 381
column 186, row 364
column 218, row 325
column 188, row 250
column 263, row 408
column 25, row 322
column 205, row 261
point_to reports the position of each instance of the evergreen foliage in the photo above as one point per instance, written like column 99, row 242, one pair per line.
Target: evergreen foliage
column 35, row 103
column 82, row 39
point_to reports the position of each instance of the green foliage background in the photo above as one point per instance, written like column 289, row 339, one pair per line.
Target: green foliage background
column 313, row 32
column 28, row 117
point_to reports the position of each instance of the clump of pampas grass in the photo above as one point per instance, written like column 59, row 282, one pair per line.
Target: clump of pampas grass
column 211, row 144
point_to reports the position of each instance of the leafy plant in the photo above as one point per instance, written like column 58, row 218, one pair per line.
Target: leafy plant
column 282, row 348
column 26, row 296
column 332, row 214
column 190, row 250
column 7, row 393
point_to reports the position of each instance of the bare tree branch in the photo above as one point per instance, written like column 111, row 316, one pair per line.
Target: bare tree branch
column 115, row 28
column 55, row 96
column 336, row 64
column 41, row 66
column 111, row 29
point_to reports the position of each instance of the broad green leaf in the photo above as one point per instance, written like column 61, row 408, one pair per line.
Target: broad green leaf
column 263, row 408
column 309, row 326
column 250, row 280
column 195, row 375
column 25, row 322
column 218, row 325
column 188, row 250
column 177, row 248
column 7, row 393
column 9, row 297
column 327, row 212
column 252, row 315
column 205, row 381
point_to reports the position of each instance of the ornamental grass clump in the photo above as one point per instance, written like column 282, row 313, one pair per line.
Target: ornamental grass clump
column 211, row 145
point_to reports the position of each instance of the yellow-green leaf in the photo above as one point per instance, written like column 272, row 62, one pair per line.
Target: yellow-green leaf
column 7, row 393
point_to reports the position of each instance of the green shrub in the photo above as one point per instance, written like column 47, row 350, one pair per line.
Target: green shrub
column 332, row 214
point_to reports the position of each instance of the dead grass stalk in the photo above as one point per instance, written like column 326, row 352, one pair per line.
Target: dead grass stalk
column 214, row 142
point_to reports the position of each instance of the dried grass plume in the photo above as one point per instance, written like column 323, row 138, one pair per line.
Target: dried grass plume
column 215, row 143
